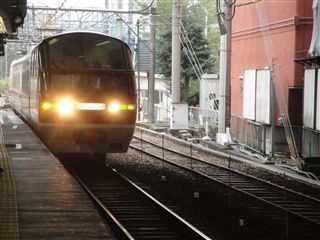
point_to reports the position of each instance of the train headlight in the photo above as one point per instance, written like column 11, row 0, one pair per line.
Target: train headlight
column 66, row 106
column 46, row 105
column 131, row 107
column 114, row 107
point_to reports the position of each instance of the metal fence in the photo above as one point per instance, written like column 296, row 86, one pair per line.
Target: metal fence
column 162, row 115
column 203, row 117
column 204, row 120
column 251, row 134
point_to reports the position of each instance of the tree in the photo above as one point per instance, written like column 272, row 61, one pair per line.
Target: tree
column 196, row 36
column 197, row 16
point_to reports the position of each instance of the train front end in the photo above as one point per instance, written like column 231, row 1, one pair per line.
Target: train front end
column 87, row 100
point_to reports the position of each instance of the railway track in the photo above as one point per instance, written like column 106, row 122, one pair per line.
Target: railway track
column 132, row 212
column 272, row 197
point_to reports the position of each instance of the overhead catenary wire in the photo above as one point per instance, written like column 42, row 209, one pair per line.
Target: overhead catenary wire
column 193, row 59
column 131, row 29
column 60, row 8
column 54, row 15
column 269, row 49
column 185, row 41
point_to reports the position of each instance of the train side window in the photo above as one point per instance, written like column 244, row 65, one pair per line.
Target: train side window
column 25, row 78
column 34, row 64
column 16, row 77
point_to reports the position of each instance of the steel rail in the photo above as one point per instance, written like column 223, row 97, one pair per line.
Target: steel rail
column 166, row 209
column 156, row 210
column 231, row 177
column 121, row 231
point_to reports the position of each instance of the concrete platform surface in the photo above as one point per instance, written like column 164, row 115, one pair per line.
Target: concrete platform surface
column 50, row 202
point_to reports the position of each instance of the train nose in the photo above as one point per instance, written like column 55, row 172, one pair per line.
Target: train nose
column 89, row 136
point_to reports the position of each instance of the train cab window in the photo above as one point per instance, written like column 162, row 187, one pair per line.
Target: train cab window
column 93, row 51
column 88, row 81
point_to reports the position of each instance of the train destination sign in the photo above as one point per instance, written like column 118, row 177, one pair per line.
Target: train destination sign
column 91, row 106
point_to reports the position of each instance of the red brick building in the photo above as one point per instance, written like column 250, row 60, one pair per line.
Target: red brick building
column 265, row 34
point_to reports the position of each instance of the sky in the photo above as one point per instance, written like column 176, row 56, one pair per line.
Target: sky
column 69, row 3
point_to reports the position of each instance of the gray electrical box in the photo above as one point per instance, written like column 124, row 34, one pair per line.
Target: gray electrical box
column 179, row 119
column 209, row 92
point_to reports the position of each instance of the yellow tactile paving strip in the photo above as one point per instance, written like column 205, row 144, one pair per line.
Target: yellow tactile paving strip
column 8, row 199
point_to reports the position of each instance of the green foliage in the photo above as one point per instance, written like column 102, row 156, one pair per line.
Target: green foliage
column 199, row 44
column 202, row 13
column 193, row 97
column 198, row 17
column 193, row 19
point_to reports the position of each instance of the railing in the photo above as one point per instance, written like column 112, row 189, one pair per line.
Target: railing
column 162, row 115
column 203, row 117
column 204, row 120
column 251, row 134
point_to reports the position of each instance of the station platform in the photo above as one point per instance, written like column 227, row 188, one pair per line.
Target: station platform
column 39, row 199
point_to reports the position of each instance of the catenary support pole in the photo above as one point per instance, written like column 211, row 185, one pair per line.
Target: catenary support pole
column 225, row 68
column 138, row 69
column 151, row 83
column 176, row 50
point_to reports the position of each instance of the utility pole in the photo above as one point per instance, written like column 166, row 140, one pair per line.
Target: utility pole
column 176, row 50
column 179, row 110
column 138, row 69
column 225, row 70
column 151, row 83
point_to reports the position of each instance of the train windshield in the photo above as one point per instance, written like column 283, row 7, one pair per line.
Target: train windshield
column 90, row 81
column 87, row 51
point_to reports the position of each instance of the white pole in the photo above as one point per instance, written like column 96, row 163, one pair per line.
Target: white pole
column 138, row 70
column 176, row 50
column 225, row 67
column 151, row 83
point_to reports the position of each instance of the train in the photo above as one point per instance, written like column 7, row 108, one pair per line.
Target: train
column 77, row 90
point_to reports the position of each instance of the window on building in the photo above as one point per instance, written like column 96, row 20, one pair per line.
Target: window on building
column 295, row 105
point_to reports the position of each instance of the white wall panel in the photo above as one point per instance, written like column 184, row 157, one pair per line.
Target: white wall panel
column 263, row 87
column 309, row 98
column 249, row 94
